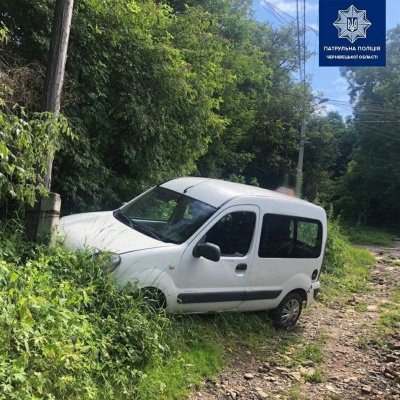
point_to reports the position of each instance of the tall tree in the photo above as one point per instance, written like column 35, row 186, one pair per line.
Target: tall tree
column 371, row 185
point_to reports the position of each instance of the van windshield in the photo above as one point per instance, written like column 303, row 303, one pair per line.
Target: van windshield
column 165, row 215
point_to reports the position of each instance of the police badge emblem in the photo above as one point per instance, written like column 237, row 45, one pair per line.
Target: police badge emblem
column 352, row 24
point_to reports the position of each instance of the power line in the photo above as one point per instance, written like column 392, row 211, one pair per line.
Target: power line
column 274, row 10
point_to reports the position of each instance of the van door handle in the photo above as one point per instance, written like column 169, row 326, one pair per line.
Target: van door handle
column 241, row 267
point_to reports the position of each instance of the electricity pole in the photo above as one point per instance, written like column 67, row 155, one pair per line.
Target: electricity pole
column 299, row 175
column 56, row 67
column 45, row 214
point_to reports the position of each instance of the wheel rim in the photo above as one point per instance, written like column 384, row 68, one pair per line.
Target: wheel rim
column 290, row 312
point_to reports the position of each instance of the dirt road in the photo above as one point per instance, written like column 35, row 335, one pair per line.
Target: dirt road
column 356, row 363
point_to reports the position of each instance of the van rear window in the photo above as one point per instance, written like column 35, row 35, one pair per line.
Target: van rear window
column 284, row 236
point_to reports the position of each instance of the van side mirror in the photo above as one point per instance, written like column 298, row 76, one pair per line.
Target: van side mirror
column 207, row 250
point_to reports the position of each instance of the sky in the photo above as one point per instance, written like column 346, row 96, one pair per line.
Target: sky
column 323, row 79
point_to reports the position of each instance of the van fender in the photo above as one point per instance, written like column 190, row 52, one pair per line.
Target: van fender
column 302, row 284
column 154, row 278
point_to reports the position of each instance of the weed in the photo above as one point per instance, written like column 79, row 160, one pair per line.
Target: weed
column 395, row 295
column 66, row 331
column 316, row 377
column 362, row 341
column 312, row 352
column 294, row 393
column 361, row 307
column 389, row 322
column 367, row 235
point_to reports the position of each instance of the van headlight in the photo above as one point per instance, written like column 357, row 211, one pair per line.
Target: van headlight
column 108, row 262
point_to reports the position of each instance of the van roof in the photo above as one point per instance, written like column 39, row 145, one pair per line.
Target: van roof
column 216, row 192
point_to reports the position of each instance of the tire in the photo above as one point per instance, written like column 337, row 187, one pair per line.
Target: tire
column 288, row 311
column 154, row 299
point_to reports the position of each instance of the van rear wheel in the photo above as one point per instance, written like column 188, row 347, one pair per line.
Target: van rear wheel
column 288, row 311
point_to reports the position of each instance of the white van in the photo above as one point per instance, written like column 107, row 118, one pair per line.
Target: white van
column 206, row 245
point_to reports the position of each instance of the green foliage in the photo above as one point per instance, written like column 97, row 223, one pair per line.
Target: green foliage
column 24, row 145
column 26, row 139
column 369, row 189
column 147, row 109
column 66, row 331
column 389, row 321
column 3, row 33
column 322, row 151
column 395, row 296
column 345, row 269
column 196, row 348
column 154, row 91
column 338, row 249
column 315, row 377
column 367, row 235
column 12, row 245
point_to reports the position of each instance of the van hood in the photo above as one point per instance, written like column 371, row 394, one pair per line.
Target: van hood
column 102, row 231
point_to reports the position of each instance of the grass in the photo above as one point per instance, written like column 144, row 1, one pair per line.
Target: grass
column 367, row 235
column 389, row 320
column 315, row 377
column 395, row 296
column 294, row 393
column 199, row 345
column 361, row 307
column 362, row 341
column 196, row 348
column 354, row 277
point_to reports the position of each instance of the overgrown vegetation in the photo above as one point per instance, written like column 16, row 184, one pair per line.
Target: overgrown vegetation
column 346, row 267
column 368, row 235
column 155, row 90
column 67, row 332
column 26, row 138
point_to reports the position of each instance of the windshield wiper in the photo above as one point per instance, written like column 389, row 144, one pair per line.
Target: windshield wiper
column 145, row 230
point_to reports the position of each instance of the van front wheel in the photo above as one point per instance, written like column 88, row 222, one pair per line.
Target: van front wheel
column 288, row 311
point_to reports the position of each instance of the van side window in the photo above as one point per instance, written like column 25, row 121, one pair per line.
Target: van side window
column 284, row 236
column 233, row 233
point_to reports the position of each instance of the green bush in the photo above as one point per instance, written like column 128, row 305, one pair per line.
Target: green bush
column 66, row 331
column 337, row 250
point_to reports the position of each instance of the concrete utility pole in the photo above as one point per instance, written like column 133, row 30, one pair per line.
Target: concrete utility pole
column 46, row 212
column 299, row 175
column 56, row 67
